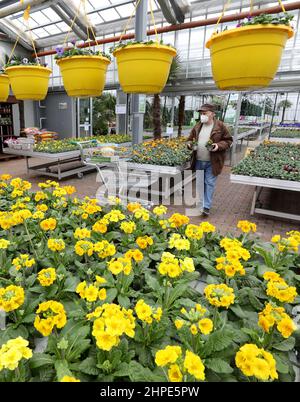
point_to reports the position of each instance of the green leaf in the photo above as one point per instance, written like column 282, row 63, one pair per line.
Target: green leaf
column 29, row 318
column 219, row 340
column 88, row 366
column 286, row 345
column 70, row 284
column 175, row 293
column 40, row 359
column 282, row 366
column 237, row 310
column 218, row 365
column 62, row 369
column 155, row 256
column 207, row 265
column 254, row 301
column 152, row 282
column 138, row 373
column 124, row 301
column 111, row 294
column 122, row 370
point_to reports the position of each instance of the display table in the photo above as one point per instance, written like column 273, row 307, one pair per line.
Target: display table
column 260, row 183
column 60, row 165
column 136, row 181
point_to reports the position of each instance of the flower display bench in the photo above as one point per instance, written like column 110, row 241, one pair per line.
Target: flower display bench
column 59, row 165
column 260, row 183
column 141, row 182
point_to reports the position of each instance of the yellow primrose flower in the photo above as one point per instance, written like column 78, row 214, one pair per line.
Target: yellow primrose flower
column 56, row 244
column 48, row 224
column 68, row 378
column 246, row 226
column 194, row 365
column 219, row 295
column 256, row 362
column 13, row 351
column 84, row 247
column 206, row 326
column 4, row 244
column 47, row 276
column 11, row 297
column 49, row 314
column 174, row 373
column 83, row 233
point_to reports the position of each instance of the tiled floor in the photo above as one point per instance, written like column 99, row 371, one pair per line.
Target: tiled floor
column 231, row 202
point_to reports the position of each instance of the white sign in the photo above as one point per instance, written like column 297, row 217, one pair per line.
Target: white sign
column 234, row 97
column 142, row 104
column 121, row 109
column 62, row 105
column 86, row 126
column 170, row 130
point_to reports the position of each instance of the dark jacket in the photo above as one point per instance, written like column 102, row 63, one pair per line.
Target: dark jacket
column 219, row 135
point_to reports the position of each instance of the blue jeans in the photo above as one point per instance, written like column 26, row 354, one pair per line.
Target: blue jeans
column 209, row 182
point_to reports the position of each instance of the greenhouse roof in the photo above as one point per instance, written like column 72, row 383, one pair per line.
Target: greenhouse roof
column 51, row 19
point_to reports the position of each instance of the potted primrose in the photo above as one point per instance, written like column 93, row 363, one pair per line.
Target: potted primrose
column 143, row 67
column 83, row 70
column 28, row 79
column 4, row 86
column 249, row 55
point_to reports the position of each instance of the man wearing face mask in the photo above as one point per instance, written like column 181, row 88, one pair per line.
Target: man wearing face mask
column 213, row 139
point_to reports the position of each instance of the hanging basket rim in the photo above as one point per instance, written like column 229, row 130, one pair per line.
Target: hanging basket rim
column 35, row 67
column 144, row 46
column 83, row 57
column 246, row 28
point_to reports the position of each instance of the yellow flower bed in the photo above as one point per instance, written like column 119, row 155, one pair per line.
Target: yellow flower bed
column 112, row 289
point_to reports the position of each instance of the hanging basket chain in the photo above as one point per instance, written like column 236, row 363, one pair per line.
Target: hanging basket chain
column 226, row 5
column 26, row 17
column 72, row 24
column 153, row 20
column 129, row 20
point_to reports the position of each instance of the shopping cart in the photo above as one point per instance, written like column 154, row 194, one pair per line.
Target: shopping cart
column 117, row 179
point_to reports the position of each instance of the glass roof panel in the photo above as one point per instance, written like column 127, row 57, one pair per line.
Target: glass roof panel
column 109, row 15
column 125, row 10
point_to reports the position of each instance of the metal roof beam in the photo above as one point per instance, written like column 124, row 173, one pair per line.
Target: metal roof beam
column 13, row 32
column 81, row 34
column 68, row 8
column 14, row 8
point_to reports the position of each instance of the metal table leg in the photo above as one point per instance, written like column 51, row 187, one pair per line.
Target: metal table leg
column 254, row 200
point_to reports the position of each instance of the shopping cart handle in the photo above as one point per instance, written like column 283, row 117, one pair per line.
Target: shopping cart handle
column 84, row 142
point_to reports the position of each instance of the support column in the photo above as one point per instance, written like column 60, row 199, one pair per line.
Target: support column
column 273, row 114
column 121, row 119
column 236, row 127
column 172, row 111
column 140, row 35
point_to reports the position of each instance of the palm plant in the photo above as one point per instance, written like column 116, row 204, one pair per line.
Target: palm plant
column 103, row 112
column 175, row 67
column 284, row 104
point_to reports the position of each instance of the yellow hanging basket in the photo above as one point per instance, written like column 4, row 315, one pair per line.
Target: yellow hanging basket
column 29, row 82
column 144, row 68
column 83, row 75
column 247, row 57
column 4, row 87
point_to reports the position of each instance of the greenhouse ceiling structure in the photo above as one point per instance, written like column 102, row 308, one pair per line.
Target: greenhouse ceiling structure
column 187, row 24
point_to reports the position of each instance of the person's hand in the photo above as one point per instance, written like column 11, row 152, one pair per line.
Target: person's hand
column 190, row 146
column 215, row 147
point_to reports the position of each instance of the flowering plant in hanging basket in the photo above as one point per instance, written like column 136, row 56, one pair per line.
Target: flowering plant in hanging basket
column 83, row 70
column 28, row 79
column 249, row 55
column 4, row 86
column 143, row 67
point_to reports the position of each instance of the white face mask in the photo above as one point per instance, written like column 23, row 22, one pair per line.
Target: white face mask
column 204, row 118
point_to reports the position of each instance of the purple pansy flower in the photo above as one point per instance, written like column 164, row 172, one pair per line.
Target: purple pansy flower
column 59, row 51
